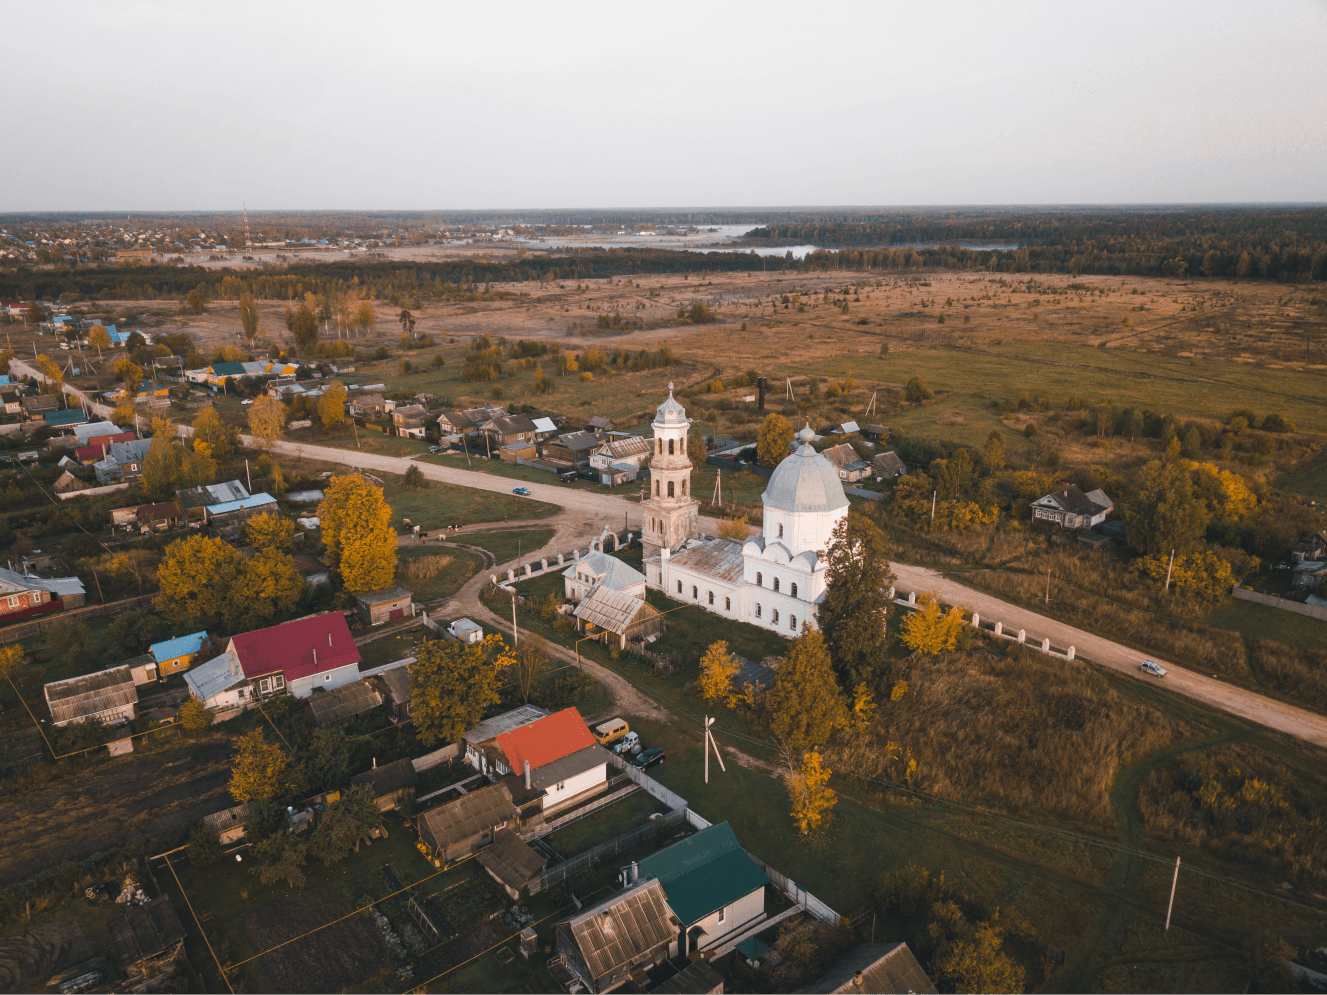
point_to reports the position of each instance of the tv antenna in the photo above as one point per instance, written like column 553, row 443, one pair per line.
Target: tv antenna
column 870, row 408
column 790, row 388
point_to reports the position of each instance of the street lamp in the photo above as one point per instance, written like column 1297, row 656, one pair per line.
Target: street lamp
column 709, row 742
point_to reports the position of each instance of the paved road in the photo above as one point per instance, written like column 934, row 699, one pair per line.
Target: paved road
column 587, row 512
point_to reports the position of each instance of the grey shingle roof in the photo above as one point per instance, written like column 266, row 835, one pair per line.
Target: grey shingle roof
column 344, row 702
column 874, row 967
column 467, row 816
column 511, row 861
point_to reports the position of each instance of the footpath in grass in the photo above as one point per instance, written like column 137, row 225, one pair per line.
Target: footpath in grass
column 431, row 574
column 508, row 545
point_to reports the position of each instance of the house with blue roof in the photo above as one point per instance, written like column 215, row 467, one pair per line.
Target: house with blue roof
column 714, row 887
column 174, row 655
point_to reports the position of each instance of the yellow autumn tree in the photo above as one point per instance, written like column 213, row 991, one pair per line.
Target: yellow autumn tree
column 332, row 405
column 51, row 370
column 259, row 771
column 192, row 715
column 213, row 436
column 811, row 795
column 773, row 439
column 196, row 577
column 930, row 629
column 124, row 415
column 451, row 684
column 267, row 419
column 268, row 531
column 734, row 528
column 718, row 668
column 357, row 530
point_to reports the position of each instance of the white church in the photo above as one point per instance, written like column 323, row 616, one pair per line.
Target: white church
column 773, row 580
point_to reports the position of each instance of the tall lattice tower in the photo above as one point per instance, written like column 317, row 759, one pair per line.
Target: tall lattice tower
column 248, row 243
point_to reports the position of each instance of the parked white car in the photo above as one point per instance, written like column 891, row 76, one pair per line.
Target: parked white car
column 1155, row 669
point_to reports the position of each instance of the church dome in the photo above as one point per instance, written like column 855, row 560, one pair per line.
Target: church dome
column 670, row 412
column 805, row 481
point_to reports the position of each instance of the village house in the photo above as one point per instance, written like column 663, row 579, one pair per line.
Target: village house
column 457, row 828
column 697, row 978
column 712, row 885
column 98, row 447
column 887, row 466
column 557, row 758
column 12, row 400
column 108, row 697
column 620, row 939
column 1070, row 508
column 512, row 431
column 25, row 594
column 850, row 466
column 37, row 405
column 573, row 447
column 410, row 421
column 294, row 657
column 65, row 421
column 544, row 428
column 873, row 967
column 452, row 423
column 1311, row 547
column 371, row 406
column 394, row 686
column 157, row 517
column 228, row 517
column 600, row 425
column 173, row 655
column 618, row 460
column 229, row 822
column 481, row 743
column 193, row 502
column 391, row 783
column 387, row 605
column 596, row 567
column 123, row 462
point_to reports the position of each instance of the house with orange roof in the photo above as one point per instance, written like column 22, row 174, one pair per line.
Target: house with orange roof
column 558, row 758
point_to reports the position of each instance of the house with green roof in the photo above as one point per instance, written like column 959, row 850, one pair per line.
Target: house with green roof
column 713, row 887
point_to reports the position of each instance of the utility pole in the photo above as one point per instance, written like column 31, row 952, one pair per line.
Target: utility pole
column 515, row 634
column 1048, row 587
column 708, row 744
column 246, row 475
column 1170, row 568
column 1173, row 882
column 933, row 507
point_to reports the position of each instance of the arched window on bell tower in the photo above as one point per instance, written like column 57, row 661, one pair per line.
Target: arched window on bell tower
column 670, row 488
column 670, row 447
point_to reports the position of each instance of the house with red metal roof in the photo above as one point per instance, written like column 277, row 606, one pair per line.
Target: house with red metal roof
column 558, row 756
column 299, row 657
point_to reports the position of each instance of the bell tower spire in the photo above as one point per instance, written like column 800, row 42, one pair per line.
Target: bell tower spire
column 669, row 512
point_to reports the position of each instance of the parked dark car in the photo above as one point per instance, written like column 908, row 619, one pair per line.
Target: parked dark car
column 646, row 759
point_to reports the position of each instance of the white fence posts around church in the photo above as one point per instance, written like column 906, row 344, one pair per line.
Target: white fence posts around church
column 995, row 630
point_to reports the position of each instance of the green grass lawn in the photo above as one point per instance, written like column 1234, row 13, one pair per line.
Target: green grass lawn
column 389, row 649
column 459, row 567
column 368, row 441
column 512, row 471
column 1257, row 621
column 598, row 827
column 506, row 545
column 689, row 631
column 1308, row 480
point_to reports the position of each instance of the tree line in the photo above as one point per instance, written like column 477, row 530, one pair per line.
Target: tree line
column 466, row 279
column 1288, row 244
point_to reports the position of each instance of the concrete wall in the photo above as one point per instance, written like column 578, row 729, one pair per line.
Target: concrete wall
column 1312, row 611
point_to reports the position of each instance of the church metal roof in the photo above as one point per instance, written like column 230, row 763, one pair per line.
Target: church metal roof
column 805, row 481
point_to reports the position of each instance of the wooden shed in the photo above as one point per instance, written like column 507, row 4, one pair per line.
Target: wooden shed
column 108, row 696
column 619, row 939
column 376, row 607
column 623, row 615
column 512, row 863
column 463, row 825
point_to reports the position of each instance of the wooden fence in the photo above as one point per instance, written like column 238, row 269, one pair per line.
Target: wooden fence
column 1285, row 604
column 21, row 630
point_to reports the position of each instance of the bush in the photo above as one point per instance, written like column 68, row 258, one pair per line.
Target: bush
column 414, row 479
column 1031, row 430
column 916, row 390
column 1277, row 423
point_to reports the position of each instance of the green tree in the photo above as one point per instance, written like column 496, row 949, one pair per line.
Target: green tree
column 365, row 316
column 414, row 478
column 194, row 301
column 696, row 448
column 341, row 827
column 304, row 326
column 805, row 704
column 280, row 858
column 407, row 321
column 357, row 530
column 259, row 772
column 204, row 846
column 773, row 439
column 916, row 390
column 327, row 763
column 451, row 684
column 855, row 611
column 993, row 451
column 1163, row 512
column 249, row 317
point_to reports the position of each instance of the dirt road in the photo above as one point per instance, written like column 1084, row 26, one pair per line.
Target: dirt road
column 1249, row 705
column 587, row 509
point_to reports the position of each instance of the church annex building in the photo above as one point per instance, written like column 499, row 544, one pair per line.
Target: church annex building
column 773, row 580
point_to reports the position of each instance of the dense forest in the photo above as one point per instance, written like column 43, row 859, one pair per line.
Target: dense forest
column 461, row 279
column 1288, row 244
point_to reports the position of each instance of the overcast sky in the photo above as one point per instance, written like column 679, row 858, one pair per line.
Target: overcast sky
column 176, row 105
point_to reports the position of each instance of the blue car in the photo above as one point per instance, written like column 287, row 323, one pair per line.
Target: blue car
column 522, row 491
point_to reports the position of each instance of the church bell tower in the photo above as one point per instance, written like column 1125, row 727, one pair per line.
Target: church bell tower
column 669, row 511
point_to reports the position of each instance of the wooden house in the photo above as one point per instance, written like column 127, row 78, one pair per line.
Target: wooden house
column 512, row 863
column 389, row 604
column 457, row 828
column 620, row 939
column 390, row 783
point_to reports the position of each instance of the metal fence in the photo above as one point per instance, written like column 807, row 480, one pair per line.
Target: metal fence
column 652, row 787
column 798, row 894
column 544, row 828
column 582, row 861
